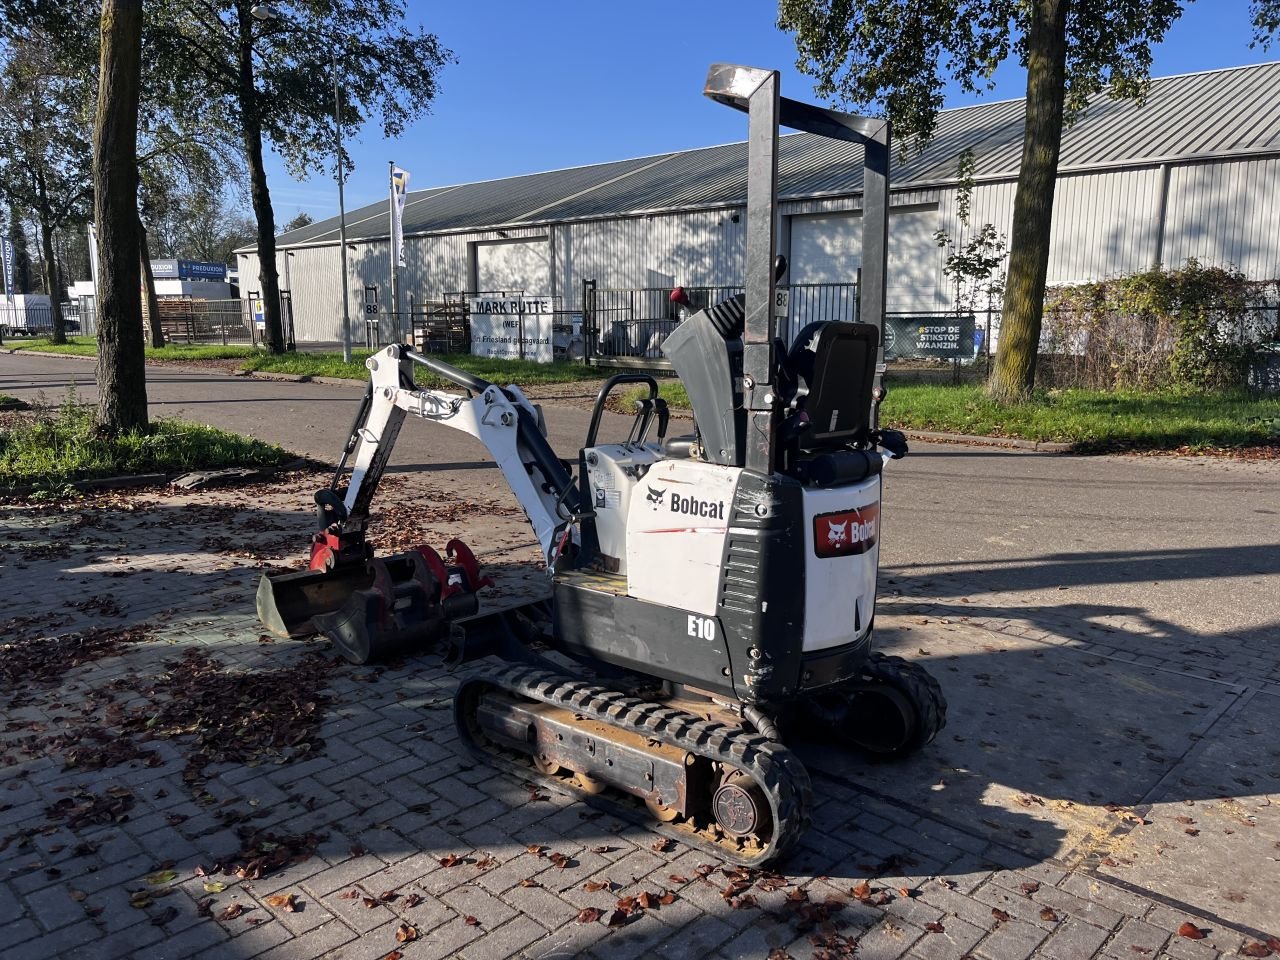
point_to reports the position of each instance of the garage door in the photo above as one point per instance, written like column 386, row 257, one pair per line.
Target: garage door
column 828, row 249
column 514, row 265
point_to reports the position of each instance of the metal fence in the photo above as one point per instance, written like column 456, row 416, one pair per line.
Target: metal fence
column 626, row 326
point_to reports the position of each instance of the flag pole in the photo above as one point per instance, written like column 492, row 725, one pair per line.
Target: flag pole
column 395, row 250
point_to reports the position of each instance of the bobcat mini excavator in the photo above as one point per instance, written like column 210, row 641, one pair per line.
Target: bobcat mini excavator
column 710, row 594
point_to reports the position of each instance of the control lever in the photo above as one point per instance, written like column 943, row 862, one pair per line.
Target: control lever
column 892, row 440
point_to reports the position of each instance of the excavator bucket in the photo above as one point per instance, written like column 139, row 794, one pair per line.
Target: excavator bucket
column 373, row 610
column 289, row 602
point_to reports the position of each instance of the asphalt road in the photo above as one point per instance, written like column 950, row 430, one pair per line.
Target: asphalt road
column 1180, row 548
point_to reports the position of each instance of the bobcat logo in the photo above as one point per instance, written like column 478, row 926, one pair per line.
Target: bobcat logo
column 654, row 496
column 838, row 536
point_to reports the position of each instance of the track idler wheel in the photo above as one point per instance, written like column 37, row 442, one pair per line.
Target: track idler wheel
column 894, row 709
column 740, row 807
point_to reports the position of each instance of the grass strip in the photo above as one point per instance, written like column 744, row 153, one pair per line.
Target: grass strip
column 88, row 347
column 519, row 372
column 1093, row 420
column 57, row 447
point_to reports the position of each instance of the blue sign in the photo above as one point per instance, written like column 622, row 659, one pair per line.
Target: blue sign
column 188, row 270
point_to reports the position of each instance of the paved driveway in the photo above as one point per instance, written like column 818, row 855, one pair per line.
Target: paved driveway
column 1105, row 630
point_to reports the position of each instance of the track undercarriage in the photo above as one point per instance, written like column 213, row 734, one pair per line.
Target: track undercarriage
column 694, row 769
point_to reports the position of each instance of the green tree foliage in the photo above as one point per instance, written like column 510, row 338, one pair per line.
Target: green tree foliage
column 46, row 111
column 268, row 71
column 900, row 54
column 303, row 219
column 1193, row 328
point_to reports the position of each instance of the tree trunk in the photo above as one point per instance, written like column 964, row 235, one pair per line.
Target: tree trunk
column 122, row 387
column 1014, row 373
column 150, row 304
column 45, row 216
column 251, row 131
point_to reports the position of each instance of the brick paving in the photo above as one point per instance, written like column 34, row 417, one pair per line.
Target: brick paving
column 1101, row 782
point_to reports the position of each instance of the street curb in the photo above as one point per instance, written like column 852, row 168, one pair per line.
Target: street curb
column 1035, row 446
column 132, row 481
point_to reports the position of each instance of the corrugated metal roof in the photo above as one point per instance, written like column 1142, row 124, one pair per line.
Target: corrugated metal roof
column 1223, row 112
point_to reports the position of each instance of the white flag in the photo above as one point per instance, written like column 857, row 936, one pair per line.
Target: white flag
column 399, row 187
column 6, row 250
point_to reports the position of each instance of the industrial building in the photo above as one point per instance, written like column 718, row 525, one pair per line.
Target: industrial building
column 1194, row 171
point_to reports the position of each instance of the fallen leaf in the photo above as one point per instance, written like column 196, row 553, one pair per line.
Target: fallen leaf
column 387, row 896
column 214, row 886
column 1191, row 931
column 935, row 927
column 78, row 895
column 140, row 900
column 601, row 849
column 164, row 916
column 999, row 914
column 1255, row 949
column 647, row 900
column 232, row 911
column 204, row 908
column 559, row 859
column 472, row 921
column 591, row 886
column 450, row 860
column 405, row 933
column 529, row 882
column 1186, row 820
column 349, row 895
column 160, row 876
column 369, row 902
column 1048, row 915
column 1191, row 832
column 1273, row 943
column 676, row 878
column 285, row 901
column 412, row 900
column 881, row 898
column 254, row 921
column 904, row 893
column 667, row 898
column 862, row 891
column 484, row 863
column 662, row 845
column 1030, row 887
column 357, row 851
column 618, row 918
column 743, row 902
column 535, row 849
column 588, row 915
column 394, row 955
column 797, row 896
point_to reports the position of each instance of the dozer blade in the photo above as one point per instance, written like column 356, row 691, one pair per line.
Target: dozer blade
column 289, row 602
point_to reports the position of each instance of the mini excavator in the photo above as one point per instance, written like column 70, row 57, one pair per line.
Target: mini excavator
column 712, row 595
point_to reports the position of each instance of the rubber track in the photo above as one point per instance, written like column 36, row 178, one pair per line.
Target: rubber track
column 776, row 769
column 920, row 685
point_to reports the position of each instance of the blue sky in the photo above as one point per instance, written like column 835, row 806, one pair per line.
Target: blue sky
column 545, row 85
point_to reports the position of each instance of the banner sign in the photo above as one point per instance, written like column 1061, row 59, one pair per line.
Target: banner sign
column 399, row 187
column 506, row 326
column 6, row 249
column 945, row 336
column 188, row 270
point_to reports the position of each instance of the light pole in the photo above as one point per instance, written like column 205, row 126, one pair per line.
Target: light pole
column 267, row 13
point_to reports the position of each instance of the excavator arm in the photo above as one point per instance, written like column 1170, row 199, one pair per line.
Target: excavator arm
column 368, row 605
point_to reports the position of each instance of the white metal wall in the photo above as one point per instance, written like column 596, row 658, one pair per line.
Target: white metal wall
column 828, row 249
column 1105, row 224
column 1224, row 213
